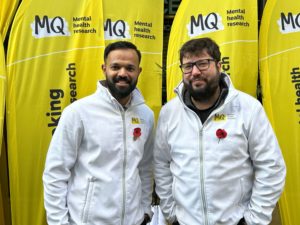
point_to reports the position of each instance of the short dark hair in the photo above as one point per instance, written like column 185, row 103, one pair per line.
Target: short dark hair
column 121, row 45
column 196, row 46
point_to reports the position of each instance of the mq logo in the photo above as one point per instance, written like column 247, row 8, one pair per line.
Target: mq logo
column 289, row 23
column 204, row 24
column 49, row 27
column 116, row 30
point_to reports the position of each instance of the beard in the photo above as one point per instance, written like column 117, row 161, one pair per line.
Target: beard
column 120, row 92
column 204, row 92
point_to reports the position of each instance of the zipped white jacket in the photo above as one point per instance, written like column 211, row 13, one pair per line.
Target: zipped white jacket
column 96, row 171
column 205, row 180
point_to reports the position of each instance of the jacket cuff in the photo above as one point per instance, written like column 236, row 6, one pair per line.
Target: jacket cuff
column 149, row 212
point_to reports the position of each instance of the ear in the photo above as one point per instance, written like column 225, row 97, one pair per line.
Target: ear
column 219, row 65
column 103, row 66
column 140, row 68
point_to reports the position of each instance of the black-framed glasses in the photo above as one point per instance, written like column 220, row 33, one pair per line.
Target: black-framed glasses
column 202, row 64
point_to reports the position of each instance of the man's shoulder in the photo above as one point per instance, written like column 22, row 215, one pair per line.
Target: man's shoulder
column 174, row 102
column 147, row 113
column 81, row 103
column 247, row 98
column 171, row 107
column 246, row 101
column 146, row 109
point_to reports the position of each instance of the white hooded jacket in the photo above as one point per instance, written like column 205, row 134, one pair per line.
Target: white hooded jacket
column 206, row 179
column 97, row 171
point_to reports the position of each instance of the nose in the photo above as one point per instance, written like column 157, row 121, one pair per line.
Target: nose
column 123, row 72
column 195, row 70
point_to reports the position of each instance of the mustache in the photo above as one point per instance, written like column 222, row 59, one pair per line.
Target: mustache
column 121, row 78
column 198, row 78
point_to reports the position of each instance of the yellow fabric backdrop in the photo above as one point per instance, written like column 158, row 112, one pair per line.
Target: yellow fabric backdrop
column 7, row 11
column 232, row 24
column 4, row 203
column 54, row 57
column 279, row 51
column 2, row 90
column 140, row 22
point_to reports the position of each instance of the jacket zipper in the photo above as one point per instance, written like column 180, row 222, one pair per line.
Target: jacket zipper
column 202, row 189
column 124, row 161
column 204, row 202
column 90, row 188
column 220, row 108
column 124, row 168
column 203, row 198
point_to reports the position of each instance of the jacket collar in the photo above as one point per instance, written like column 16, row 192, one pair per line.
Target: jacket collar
column 136, row 97
column 232, row 92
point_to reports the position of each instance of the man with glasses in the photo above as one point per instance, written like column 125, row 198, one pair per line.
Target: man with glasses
column 216, row 158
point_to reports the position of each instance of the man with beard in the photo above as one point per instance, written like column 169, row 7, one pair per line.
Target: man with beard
column 216, row 158
column 98, row 169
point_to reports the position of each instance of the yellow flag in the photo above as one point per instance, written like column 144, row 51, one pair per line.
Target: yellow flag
column 2, row 90
column 232, row 24
column 7, row 11
column 2, row 107
column 54, row 57
column 279, row 51
column 140, row 22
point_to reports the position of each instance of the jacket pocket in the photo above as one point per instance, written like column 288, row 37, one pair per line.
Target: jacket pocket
column 242, row 190
column 174, row 188
column 88, row 199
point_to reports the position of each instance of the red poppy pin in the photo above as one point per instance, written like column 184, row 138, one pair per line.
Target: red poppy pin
column 137, row 132
column 221, row 133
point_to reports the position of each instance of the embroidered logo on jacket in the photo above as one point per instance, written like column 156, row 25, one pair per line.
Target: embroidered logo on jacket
column 135, row 120
column 220, row 117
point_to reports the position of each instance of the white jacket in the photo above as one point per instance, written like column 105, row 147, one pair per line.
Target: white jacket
column 96, row 172
column 205, row 180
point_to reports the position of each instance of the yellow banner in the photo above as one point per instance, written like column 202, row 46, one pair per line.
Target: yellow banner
column 140, row 22
column 232, row 24
column 7, row 10
column 3, row 179
column 279, row 50
column 2, row 90
column 54, row 57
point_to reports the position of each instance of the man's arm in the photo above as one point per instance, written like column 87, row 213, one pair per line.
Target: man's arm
column 163, row 175
column 61, row 156
column 269, row 169
column 146, row 171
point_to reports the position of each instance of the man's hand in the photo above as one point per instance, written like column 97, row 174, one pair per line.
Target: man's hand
column 242, row 222
column 146, row 219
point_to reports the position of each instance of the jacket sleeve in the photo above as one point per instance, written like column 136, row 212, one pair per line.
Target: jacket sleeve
column 269, row 169
column 146, row 170
column 61, row 156
column 163, row 175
